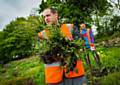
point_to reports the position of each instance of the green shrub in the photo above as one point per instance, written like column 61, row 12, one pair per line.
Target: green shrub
column 111, row 60
column 111, row 79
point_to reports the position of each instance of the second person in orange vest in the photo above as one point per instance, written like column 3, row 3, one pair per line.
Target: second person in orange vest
column 54, row 74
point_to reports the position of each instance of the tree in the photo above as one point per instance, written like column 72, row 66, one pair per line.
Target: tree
column 18, row 38
column 115, row 24
column 81, row 9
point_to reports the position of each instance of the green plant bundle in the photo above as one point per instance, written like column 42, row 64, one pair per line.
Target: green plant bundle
column 58, row 48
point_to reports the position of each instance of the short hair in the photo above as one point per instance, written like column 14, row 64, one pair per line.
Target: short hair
column 53, row 10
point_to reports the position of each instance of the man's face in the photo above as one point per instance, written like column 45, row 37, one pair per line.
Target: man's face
column 49, row 17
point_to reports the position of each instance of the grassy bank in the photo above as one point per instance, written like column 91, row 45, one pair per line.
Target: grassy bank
column 30, row 71
column 23, row 72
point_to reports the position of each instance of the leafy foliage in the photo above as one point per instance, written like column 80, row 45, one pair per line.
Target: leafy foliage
column 59, row 48
column 81, row 9
column 17, row 38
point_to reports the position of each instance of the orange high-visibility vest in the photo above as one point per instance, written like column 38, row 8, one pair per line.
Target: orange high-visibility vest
column 78, row 70
column 54, row 72
column 43, row 34
column 67, row 29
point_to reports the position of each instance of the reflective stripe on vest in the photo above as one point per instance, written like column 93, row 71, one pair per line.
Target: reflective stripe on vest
column 78, row 71
column 67, row 30
column 43, row 34
column 53, row 64
column 53, row 73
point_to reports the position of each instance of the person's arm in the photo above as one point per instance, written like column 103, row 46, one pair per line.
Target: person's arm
column 92, row 47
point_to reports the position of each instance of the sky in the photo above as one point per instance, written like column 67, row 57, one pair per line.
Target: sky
column 11, row 9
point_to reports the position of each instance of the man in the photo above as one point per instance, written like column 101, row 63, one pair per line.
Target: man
column 53, row 71
column 88, row 37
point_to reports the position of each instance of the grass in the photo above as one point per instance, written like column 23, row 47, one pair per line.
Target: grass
column 23, row 70
column 111, row 79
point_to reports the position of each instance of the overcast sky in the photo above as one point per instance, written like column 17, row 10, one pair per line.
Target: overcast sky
column 10, row 9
